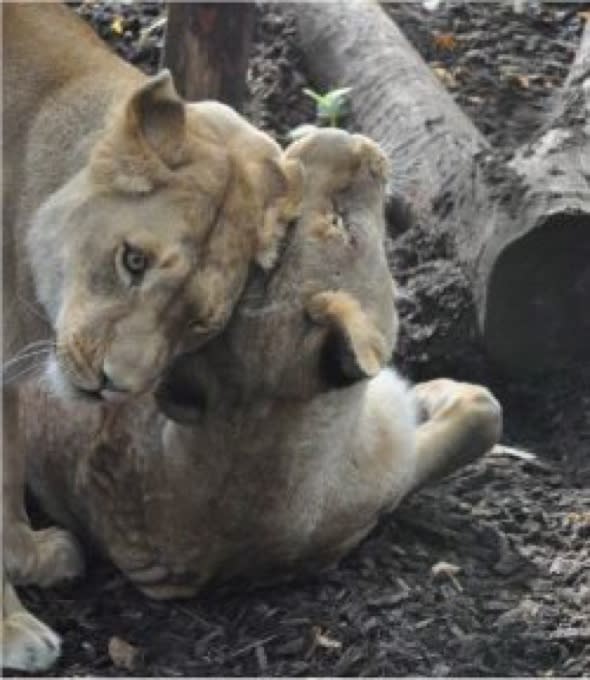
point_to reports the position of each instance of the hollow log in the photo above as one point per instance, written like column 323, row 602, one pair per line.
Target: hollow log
column 537, row 260
column 206, row 48
column 520, row 229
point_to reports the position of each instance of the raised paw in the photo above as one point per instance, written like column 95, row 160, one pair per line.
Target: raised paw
column 28, row 644
column 435, row 396
column 41, row 557
column 459, row 423
column 473, row 404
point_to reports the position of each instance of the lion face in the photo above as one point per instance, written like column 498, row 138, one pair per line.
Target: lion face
column 324, row 317
column 149, row 245
column 124, row 289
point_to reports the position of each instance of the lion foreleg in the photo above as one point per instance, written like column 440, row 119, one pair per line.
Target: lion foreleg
column 39, row 557
column 27, row 643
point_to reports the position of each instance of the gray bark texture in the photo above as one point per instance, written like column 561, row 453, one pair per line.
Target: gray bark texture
column 521, row 229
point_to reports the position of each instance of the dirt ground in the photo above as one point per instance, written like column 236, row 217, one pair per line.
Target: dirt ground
column 517, row 531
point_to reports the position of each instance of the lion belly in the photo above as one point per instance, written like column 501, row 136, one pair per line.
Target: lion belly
column 174, row 516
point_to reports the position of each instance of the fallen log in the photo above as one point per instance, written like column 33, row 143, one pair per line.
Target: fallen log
column 521, row 230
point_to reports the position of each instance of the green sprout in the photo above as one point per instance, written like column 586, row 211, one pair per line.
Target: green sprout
column 331, row 106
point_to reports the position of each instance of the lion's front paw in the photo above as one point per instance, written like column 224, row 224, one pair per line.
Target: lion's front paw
column 41, row 557
column 28, row 644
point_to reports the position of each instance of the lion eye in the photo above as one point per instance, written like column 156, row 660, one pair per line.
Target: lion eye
column 134, row 260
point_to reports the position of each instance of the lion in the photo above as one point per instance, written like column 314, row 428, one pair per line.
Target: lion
column 275, row 448
column 131, row 221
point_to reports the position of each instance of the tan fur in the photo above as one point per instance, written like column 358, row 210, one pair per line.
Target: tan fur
column 338, row 310
column 293, row 451
column 97, row 159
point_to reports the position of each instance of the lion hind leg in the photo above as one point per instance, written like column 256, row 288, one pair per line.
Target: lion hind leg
column 462, row 422
column 27, row 643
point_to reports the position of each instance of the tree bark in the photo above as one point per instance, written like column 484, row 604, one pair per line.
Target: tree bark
column 521, row 229
column 207, row 47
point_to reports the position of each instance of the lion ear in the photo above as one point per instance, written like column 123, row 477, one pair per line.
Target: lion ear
column 145, row 140
column 354, row 348
column 368, row 156
column 285, row 184
column 157, row 115
column 284, row 181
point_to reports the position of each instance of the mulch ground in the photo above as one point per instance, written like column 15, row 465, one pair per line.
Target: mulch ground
column 516, row 598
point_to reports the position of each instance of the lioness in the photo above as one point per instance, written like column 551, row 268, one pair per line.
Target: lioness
column 295, row 437
column 130, row 222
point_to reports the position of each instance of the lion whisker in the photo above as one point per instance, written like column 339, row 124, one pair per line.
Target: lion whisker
column 36, row 343
column 25, row 357
column 27, row 372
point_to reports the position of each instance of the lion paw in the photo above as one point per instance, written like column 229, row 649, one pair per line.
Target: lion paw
column 28, row 644
column 435, row 396
column 41, row 557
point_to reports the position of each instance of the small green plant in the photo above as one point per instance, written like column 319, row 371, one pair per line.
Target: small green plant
column 331, row 106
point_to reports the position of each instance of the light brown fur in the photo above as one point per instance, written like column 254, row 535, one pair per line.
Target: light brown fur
column 296, row 438
column 98, row 160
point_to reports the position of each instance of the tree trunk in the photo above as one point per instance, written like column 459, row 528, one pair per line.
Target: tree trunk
column 207, row 47
column 521, row 230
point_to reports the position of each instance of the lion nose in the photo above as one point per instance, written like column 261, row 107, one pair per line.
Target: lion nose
column 108, row 385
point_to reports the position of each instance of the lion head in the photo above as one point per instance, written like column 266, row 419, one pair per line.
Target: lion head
column 151, row 241
column 324, row 317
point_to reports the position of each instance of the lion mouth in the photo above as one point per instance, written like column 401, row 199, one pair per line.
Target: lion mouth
column 86, row 395
column 106, row 390
column 102, row 395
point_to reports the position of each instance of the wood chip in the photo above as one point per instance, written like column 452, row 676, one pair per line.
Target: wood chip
column 577, row 519
column 122, row 654
column 515, row 453
column 261, row 658
column 445, row 41
column 445, row 76
column 321, row 639
column 117, row 26
column 152, row 28
column 571, row 634
column 449, row 570
column 520, row 80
